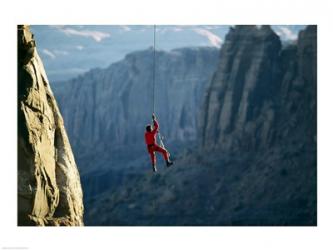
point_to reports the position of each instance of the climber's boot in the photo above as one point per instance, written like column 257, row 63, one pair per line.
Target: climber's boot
column 169, row 163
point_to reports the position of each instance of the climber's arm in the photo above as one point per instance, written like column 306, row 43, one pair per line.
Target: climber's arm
column 155, row 124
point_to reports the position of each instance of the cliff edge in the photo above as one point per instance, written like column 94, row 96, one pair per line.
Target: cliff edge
column 49, row 188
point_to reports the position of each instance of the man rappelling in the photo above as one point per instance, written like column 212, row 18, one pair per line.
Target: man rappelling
column 152, row 146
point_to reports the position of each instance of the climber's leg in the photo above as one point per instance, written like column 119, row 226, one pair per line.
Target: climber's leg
column 152, row 158
column 165, row 154
column 163, row 151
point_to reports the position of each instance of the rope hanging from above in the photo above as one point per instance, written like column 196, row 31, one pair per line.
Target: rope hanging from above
column 154, row 52
column 154, row 81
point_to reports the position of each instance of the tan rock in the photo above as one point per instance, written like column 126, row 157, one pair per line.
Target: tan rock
column 49, row 188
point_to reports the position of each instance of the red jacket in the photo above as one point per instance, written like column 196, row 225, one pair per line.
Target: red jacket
column 150, row 137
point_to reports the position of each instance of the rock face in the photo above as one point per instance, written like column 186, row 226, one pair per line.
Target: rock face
column 49, row 189
column 261, row 109
column 108, row 108
column 257, row 161
column 261, row 94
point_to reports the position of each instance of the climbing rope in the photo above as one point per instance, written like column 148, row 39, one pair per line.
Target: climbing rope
column 160, row 137
column 154, row 51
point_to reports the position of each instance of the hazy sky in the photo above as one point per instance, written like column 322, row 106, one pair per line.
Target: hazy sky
column 69, row 50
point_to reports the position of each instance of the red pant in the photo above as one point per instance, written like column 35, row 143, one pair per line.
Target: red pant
column 155, row 148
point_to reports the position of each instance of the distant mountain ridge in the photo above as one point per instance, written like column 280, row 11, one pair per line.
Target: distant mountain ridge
column 107, row 108
column 66, row 53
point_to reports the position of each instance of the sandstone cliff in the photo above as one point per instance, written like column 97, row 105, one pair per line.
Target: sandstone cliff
column 49, row 188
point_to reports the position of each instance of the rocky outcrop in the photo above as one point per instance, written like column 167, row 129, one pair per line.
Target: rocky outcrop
column 49, row 189
column 261, row 94
column 297, row 96
column 108, row 108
